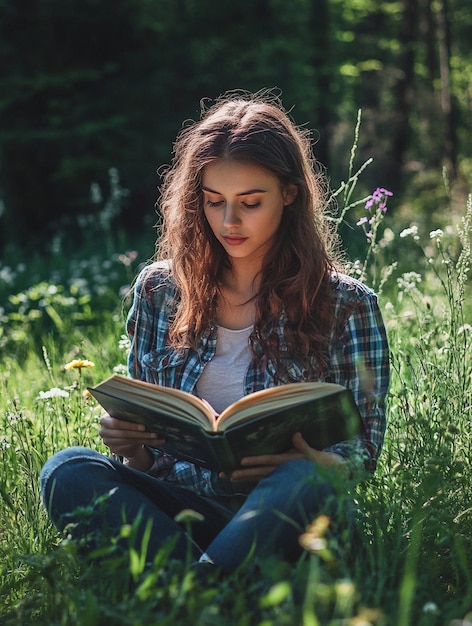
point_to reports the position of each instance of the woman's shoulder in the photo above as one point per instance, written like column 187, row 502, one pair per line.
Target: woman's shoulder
column 350, row 289
column 156, row 276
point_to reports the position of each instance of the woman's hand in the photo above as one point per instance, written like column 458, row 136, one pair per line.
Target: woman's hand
column 256, row 467
column 327, row 459
column 128, row 439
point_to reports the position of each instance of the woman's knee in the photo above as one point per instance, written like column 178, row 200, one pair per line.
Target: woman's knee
column 65, row 466
column 299, row 483
column 296, row 473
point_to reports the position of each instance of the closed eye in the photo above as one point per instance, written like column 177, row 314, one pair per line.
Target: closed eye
column 251, row 206
column 214, row 203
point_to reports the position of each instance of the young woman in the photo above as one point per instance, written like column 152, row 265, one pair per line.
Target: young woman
column 244, row 294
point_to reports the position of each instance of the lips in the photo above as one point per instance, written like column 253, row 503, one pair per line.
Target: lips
column 234, row 240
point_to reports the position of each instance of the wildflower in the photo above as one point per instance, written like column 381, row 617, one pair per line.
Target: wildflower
column 4, row 444
column 411, row 231
column 430, row 607
column 409, row 280
column 376, row 206
column 7, row 275
column 124, row 343
column 378, row 199
column 78, row 364
column 313, row 544
column 436, row 234
column 55, row 392
column 13, row 418
column 356, row 268
column 313, row 538
column 128, row 257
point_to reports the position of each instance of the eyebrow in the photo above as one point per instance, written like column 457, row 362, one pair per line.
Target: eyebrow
column 243, row 193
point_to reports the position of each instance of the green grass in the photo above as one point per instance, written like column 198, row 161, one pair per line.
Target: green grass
column 415, row 567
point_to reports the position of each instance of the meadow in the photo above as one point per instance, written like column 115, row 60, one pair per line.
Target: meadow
column 61, row 329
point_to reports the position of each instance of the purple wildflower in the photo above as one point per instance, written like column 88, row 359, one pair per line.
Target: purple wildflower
column 378, row 199
column 375, row 205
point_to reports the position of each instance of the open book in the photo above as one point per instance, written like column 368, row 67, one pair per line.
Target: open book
column 260, row 423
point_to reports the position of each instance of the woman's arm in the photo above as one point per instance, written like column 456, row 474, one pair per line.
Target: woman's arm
column 359, row 360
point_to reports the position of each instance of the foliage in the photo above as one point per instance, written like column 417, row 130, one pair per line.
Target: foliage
column 59, row 299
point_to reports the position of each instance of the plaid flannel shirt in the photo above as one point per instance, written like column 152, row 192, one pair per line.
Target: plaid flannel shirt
column 358, row 359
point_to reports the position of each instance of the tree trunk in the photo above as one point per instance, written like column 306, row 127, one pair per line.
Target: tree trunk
column 321, row 62
column 428, row 31
column 444, row 49
column 403, row 90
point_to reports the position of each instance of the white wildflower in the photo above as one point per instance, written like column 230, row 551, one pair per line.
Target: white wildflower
column 13, row 418
column 409, row 280
column 356, row 268
column 436, row 234
column 124, row 343
column 412, row 231
column 55, row 392
column 7, row 275
column 430, row 607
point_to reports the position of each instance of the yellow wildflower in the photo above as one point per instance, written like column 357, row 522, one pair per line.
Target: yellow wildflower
column 78, row 364
column 313, row 538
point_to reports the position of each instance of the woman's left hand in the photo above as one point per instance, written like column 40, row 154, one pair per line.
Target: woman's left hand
column 254, row 468
column 318, row 456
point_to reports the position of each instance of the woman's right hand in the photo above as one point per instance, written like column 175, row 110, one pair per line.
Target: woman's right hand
column 126, row 438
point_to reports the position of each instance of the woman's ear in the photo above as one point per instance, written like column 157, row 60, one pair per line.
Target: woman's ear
column 289, row 194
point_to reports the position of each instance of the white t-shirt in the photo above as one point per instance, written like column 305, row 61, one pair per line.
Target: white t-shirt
column 222, row 380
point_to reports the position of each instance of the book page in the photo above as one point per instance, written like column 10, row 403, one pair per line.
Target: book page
column 274, row 398
column 161, row 399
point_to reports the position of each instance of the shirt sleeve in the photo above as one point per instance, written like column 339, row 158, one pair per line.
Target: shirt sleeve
column 146, row 326
column 360, row 361
column 139, row 326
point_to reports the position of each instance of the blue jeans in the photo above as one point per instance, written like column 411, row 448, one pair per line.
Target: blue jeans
column 269, row 521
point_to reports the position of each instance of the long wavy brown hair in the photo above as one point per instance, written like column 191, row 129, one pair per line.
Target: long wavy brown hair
column 295, row 273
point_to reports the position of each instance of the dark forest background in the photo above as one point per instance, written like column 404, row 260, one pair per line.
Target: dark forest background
column 90, row 85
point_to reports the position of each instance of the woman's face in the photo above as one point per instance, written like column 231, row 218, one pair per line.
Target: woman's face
column 243, row 204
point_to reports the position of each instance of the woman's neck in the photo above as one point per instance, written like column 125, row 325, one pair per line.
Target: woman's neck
column 241, row 283
column 236, row 301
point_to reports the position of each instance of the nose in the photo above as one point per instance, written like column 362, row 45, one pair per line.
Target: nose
column 231, row 215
